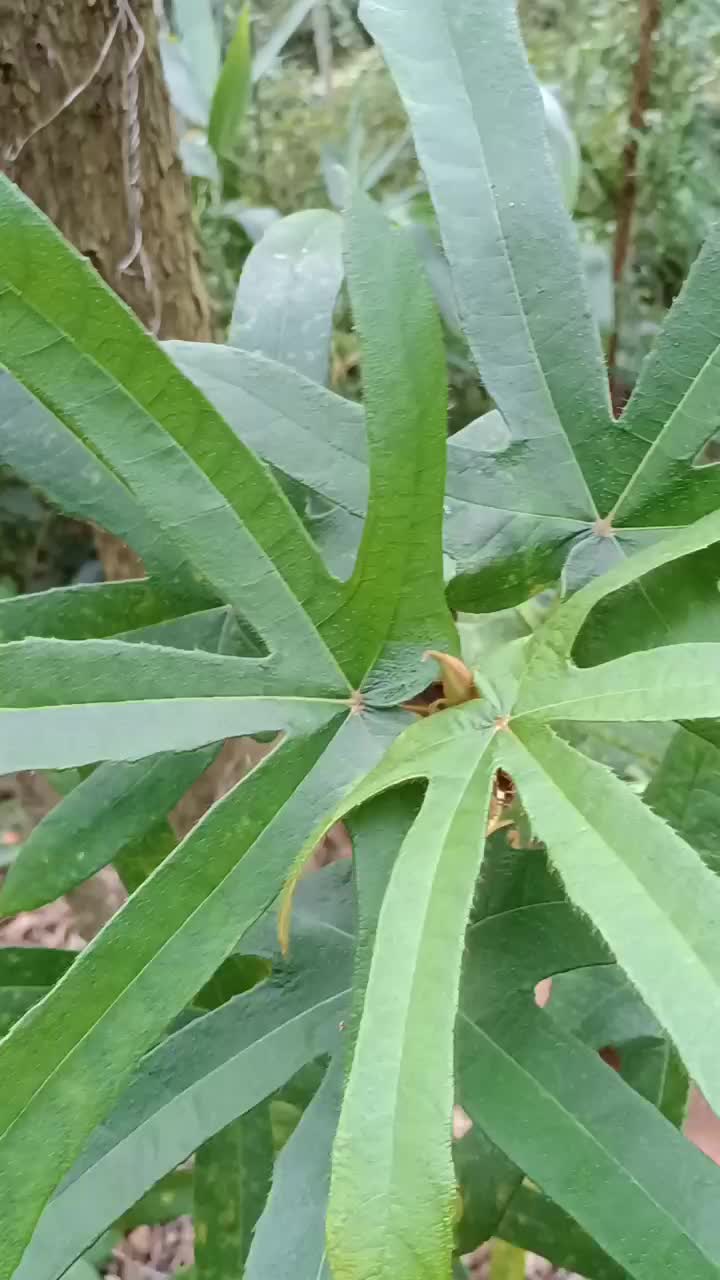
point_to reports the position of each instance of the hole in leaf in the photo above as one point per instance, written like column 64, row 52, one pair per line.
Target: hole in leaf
column 709, row 454
column 461, row 1123
column 487, row 434
column 543, row 991
column 611, row 1057
column 422, row 702
column 235, row 976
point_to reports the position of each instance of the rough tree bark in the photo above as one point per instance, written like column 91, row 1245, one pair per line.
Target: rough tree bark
column 86, row 131
column 104, row 166
column 649, row 19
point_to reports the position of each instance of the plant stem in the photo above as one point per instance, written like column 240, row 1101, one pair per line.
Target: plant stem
column 650, row 13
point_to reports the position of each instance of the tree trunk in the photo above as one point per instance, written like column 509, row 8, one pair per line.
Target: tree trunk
column 86, row 132
column 649, row 20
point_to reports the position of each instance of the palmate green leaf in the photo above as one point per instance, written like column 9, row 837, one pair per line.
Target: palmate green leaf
column 66, row 703
column 155, row 431
column 288, row 290
column 525, row 508
column 554, row 642
column 130, row 983
column 318, row 439
column 392, row 1194
column 404, row 392
column 404, row 381
column 162, row 947
column 176, row 455
column 542, row 1103
column 502, row 220
column 596, row 1003
column 647, row 891
column 669, row 606
column 291, row 1233
column 559, row 1112
column 478, row 124
column 451, row 738
column 205, row 1076
column 231, row 98
column 232, row 1178
column 642, row 886
column 115, row 806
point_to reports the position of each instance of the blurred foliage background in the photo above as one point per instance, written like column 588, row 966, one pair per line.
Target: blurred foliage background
column 585, row 52
column 588, row 49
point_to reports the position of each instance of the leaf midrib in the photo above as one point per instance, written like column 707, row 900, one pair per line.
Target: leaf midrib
column 410, row 1003
column 461, row 79
column 556, row 707
column 340, row 703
